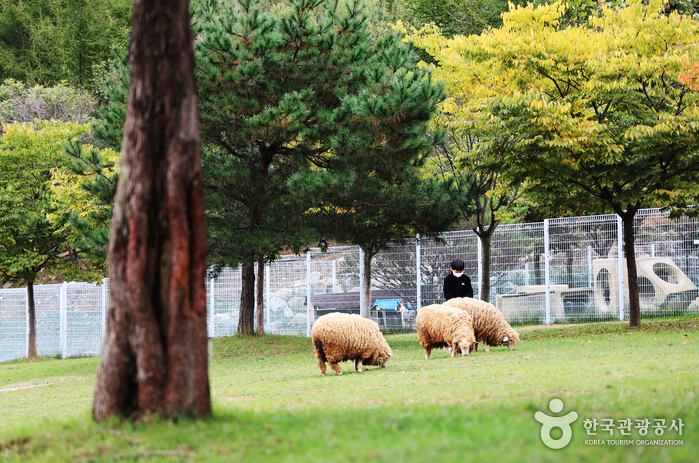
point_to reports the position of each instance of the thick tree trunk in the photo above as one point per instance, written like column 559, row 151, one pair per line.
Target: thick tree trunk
column 631, row 270
column 260, row 303
column 366, row 290
column 33, row 352
column 154, row 358
column 246, row 319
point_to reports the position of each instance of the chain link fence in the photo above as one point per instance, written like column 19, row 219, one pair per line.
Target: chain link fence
column 561, row 270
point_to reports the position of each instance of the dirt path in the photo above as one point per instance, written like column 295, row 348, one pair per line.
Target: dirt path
column 552, row 326
column 571, row 325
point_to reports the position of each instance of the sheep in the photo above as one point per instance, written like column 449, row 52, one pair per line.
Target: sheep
column 489, row 324
column 439, row 326
column 338, row 337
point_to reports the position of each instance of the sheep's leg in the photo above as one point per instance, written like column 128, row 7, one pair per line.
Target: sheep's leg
column 485, row 346
column 335, row 367
column 358, row 365
column 321, row 365
column 454, row 346
column 428, row 351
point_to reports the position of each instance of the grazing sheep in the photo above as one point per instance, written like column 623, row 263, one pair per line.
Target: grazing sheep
column 489, row 324
column 338, row 337
column 443, row 326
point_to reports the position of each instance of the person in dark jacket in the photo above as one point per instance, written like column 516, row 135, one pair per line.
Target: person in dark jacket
column 457, row 284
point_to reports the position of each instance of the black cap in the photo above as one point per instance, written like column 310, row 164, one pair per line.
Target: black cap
column 457, row 264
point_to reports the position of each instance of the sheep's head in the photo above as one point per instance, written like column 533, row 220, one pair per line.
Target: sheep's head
column 511, row 339
column 381, row 357
column 466, row 345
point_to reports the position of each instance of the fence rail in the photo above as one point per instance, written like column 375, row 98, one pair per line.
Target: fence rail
column 560, row 270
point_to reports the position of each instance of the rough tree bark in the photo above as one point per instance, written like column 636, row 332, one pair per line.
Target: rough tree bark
column 246, row 319
column 33, row 352
column 154, row 358
column 259, row 303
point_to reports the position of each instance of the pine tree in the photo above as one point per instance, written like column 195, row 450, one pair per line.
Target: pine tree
column 308, row 93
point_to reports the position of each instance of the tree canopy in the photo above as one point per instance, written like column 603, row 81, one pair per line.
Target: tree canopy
column 44, row 41
column 29, row 240
column 593, row 116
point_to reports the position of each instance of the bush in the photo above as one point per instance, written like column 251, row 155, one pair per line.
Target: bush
column 22, row 103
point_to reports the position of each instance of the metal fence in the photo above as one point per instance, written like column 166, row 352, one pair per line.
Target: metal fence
column 561, row 270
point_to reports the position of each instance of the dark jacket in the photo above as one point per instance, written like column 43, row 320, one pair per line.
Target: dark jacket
column 457, row 287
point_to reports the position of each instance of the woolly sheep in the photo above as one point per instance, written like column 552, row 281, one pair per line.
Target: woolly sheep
column 440, row 326
column 489, row 324
column 338, row 337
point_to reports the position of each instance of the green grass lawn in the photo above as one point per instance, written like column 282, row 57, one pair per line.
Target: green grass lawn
column 271, row 403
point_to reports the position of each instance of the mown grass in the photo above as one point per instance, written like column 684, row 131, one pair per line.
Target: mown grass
column 271, row 403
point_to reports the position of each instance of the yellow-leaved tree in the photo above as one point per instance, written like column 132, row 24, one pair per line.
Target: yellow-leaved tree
column 487, row 198
column 29, row 241
column 593, row 118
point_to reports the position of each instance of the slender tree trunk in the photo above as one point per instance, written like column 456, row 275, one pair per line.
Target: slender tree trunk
column 260, row 303
column 33, row 352
column 246, row 319
column 485, row 240
column 80, row 45
column 569, row 268
column 631, row 270
column 366, row 290
column 154, row 358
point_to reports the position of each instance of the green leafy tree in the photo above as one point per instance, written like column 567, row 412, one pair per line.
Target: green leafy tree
column 486, row 198
column 599, row 117
column 305, row 92
column 29, row 241
column 43, row 41
column 82, row 197
column 454, row 17
column 361, row 206
column 82, row 189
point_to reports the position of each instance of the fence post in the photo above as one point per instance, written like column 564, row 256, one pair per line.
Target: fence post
column 620, row 265
column 418, row 272
column 652, row 250
column 361, row 281
column 547, row 271
column 480, row 267
column 104, row 306
column 590, row 276
column 308, row 294
column 526, row 274
column 334, row 276
column 27, row 320
column 63, row 320
column 268, row 272
column 212, row 301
